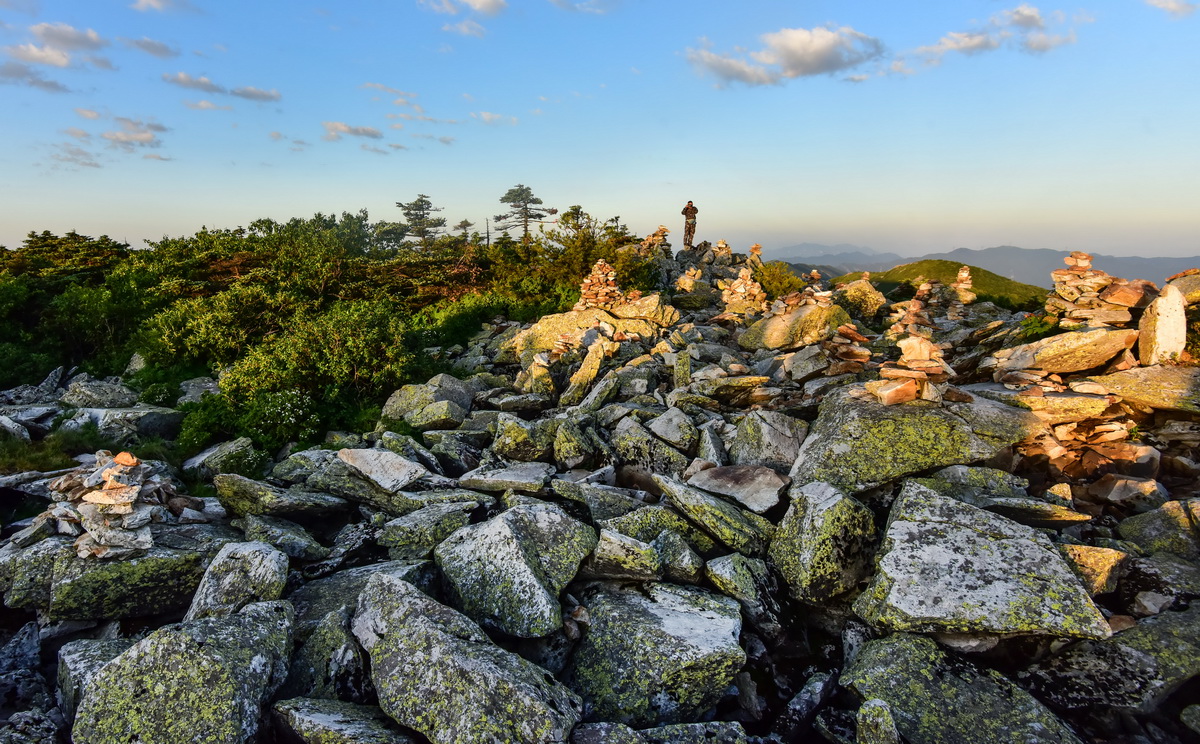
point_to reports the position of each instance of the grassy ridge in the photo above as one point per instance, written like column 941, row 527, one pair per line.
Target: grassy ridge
column 990, row 287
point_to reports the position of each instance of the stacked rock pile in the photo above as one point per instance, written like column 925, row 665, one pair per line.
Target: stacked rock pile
column 959, row 295
column 743, row 294
column 920, row 373
column 846, row 351
column 600, row 289
column 1087, row 297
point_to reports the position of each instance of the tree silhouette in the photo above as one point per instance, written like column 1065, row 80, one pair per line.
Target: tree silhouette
column 524, row 208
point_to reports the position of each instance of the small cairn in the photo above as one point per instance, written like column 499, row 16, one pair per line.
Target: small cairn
column 688, row 280
column 1087, row 297
column 847, row 352
column 722, row 249
column 599, row 289
column 743, row 295
column 960, row 295
column 755, row 259
column 655, row 241
column 911, row 319
column 920, row 374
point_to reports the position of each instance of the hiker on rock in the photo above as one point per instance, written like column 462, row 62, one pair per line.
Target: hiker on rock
column 689, row 224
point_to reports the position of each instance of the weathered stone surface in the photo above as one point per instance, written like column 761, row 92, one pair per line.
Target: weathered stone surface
column 236, row 456
column 662, row 654
column 602, row 502
column 1162, row 331
column 858, row 443
column 875, row 724
column 528, row 477
column 618, row 556
column 1165, row 388
column 605, row 733
column 1135, row 669
column 1170, row 528
column 242, row 496
column 385, row 468
column 675, row 428
column 1098, row 568
column 26, row 574
column 319, row 721
column 680, row 563
column 241, row 573
column 748, row 580
column 414, row 536
column 946, row 566
column 822, row 546
column 86, row 392
column 1131, row 494
column 860, row 299
column 726, row 732
column 768, row 438
column 160, row 581
column 507, row 573
column 805, row 325
column 290, row 538
column 1068, row 352
column 78, row 662
column 733, row 526
column 316, row 599
column 217, row 673
column 637, row 447
column 649, row 522
column 940, row 700
column 330, row 664
column 755, row 487
column 439, row 674
column 1051, row 408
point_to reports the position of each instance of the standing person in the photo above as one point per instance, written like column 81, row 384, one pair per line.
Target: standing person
column 689, row 224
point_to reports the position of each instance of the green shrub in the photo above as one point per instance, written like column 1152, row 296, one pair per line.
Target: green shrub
column 274, row 418
column 160, row 394
column 1038, row 326
column 211, row 419
column 778, row 279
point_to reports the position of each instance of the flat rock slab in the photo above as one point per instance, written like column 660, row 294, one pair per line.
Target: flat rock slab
column 1068, row 352
column 162, row 580
column 730, row 524
column 948, row 567
column 385, row 468
column 529, row 477
column 756, row 487
column 316, row 721
column 858, row 443
column 936, row 699
column 1164, row 388
column 242, row 495
column 1051, row 408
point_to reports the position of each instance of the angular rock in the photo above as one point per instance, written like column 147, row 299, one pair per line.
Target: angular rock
column 875, row 724
column 1162, row 331
column 675, row 428
column 528, row 477
column 1098, row 568
column 385, row 468
column 318, row 721
column 618, row 556
column 946, row 566
column 241, row 574
column 858, row 443
column 744, row 531
column 288, row 537
column 755, row 487
column 507, row 573
column 522, row 441
column 78, row 662
column 638, row 448
column 218, row 673
column 805, row 325
column 748, row 580
column 318, row 598
column 664, row 653
column 726, row 732
column 242, row 496
column 934, row 698
column 768, row 438
column 1160, row 387
column 439, row 674
column 680, row 563
column 823, row 545
column 160, row 581
column 414, row 536
column 1171, row 528
column 330, row 664
column 1068, row 352
column 237, row 456
column 648, row 522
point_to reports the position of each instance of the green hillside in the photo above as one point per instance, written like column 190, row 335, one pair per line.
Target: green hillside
column 990, row 287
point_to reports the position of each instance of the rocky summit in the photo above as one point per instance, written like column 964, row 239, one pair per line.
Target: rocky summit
column 701, row 515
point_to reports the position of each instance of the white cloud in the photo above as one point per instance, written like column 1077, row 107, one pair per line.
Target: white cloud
column 87, row 113
column 134, row 133
column 154, row 156
column 1023, row 26
column 184, row 80
column 392, row 91
column 487, row 117
column 1177, row 8
column 372, row 148
column 251, row 93
column 76, row 132
column 966, row 42
column 206, row 105
column 67, row 38
column 487, row 7
column 159, row 5
column 276, row 136
column 335, row 129
column 152, row 47
column 440, row 6
column 791, row 53
column 75, row 155
column 466, row 28
column 39, row 55
column 1039, row 41
column 1022, row 16
column 15, row 73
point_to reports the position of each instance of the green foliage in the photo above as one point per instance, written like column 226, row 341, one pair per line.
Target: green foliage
column 1192, row 346
column 988, row 286
column 210, row 420
column 1036, row 326
column 160, row 394
column 274, row 418
column 420, row 222
column 777, row 279
column 523, row 209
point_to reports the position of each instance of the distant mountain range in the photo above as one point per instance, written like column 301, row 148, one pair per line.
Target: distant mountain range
column 1026, row 265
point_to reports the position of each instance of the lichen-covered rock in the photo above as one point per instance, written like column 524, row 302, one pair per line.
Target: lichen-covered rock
column 160, row 581
column 26, row 574
column 439, row 674
column 1171, row 528
column 217, row 674
column 1135, row 670
column 78, row 662
column 316, row 599
column 648, row 522
column 860, row 299
column 935, row 699
column 749, row 581
column 680, row 563
column 664, row 653
column 1162, row 331
column 1098, row 568
column 602, row 502
column 414, row 536
column 236, row 456
column 858, row 443
column 726, row 732
column 384, row 468
column 1068, row 352
column 242, row 495
column 330, row 664
column 949, row 567
column 875, row 724
column 507, row 573
column 240, row 574
column 86, row 392
column 638, row 448
column 676, row 428
column 321, row 721
column 805, row 325
column 755, row 487
column 290, row 538
column 528, row 477
column 522, row 441
column 733, row 526
column 768, row 438
column 1161, row 387
column 823, row 545
column 618, row 556
column 605, row 733
column 1051, row 408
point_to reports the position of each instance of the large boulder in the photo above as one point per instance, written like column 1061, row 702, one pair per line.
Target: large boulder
column 805, row 325
column 160, row 581
column 755, row 487
column 240, row 574
column 386, row 469
column 640, row 449
column 320, row 721
column 216, row 673
column 318, row 598
column 661, row 653
column 439, row 674
column 1162, row 331
column 857, row 443
column 742, row 530
column 1161, row 387
column 948, row 567
column 768, row 438
column 936, row 699
column 242, row 495
column 1067, row 352
column 1171, row 528
column 507, row 573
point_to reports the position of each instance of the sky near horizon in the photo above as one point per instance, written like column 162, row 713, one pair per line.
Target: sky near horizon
column 903, row 127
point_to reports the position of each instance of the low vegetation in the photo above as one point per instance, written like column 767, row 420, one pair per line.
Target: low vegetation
column 988, row 286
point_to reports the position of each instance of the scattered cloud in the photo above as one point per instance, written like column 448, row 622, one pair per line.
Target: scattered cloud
column 466, row 28
column 791, row 53
column 160, row 5
column 443, row 140
column 184, row 80
column 206, row 105
column 397, row 146
column 103, row 63
column 74, row 155
column 487, row 7
column 134, row 133
column 15, row 73
column 397, row 125
column 1024, row 26
column 25, row 6
column 39, row 55
column 335, row 129
column 1039, row 41
column 155, row 156
column 966, row 42
column 387, row 89
column 251, row 93
column 1022, row 16
column 487, row 117
column 87, row 113
column 374, row 149
column 68, row 38
column 439, row 6
column 276, row 136
column 598, row 7
column 152, row 47
column 1177, row 8
column 76, row 132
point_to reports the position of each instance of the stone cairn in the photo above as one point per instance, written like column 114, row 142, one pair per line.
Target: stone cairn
column 599, row 289
column 1087, row 297
column 110, row 505
column 847, row 351
column 755, row 259
column 722, row 249
column 960, row 295
column 743, row 294
column 656, row 241
column 688, row 280
column 920, row 374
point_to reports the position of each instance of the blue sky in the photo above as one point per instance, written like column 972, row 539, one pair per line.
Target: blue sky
column 911, row 127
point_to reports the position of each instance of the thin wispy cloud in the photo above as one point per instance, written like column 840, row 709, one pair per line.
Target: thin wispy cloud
column 1177, row 8
column 467, row 27
column 251, row 93
column 156, row 156
column 964, row 42
column 372, row 148
column 134, row 133
column 184, row 80
column 87, row 113
column 76, row 156
column 24, row 6
column 160, row 5
column 68, row 38
column 39, row 55
column 790, row 53
column 598, row 7
column 335, row 129
column 1024, row 27
column 487, row 7
column 487, row 117
column 444, row 140
column 76, row 132
column 206, row 105
column 152, row 47
column 16, row 73
column 388, row 89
